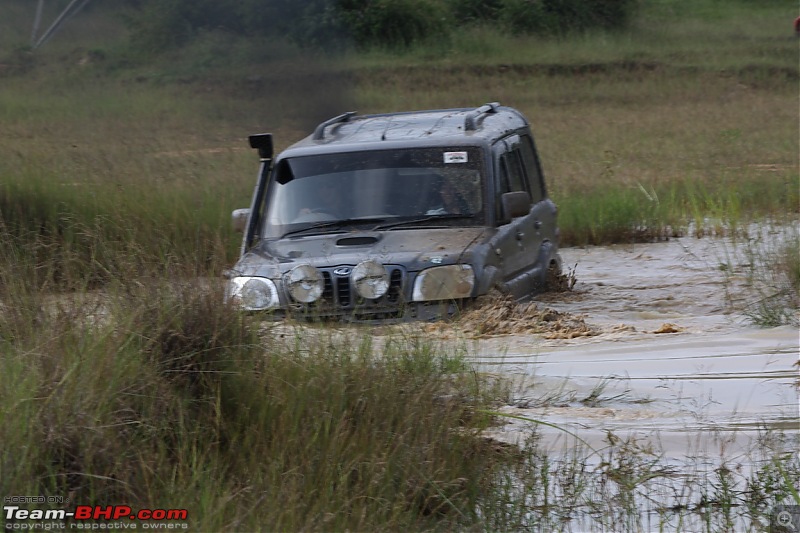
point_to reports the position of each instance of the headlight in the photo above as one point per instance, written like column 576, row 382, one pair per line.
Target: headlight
column 253, row 294
column 305, row 283
column 451, row 282
column 370, row 279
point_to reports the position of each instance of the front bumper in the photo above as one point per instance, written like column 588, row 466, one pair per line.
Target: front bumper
column 340, row 300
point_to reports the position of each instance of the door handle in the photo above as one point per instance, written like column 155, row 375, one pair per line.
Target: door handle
column 520, row 235
column 537, row 224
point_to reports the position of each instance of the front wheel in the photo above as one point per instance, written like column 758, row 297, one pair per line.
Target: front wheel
column 556, row 280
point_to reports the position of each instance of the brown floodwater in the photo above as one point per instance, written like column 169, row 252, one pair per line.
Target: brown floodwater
column 673, row 359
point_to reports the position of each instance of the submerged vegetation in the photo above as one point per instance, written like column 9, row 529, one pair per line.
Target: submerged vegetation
column 125, row 381
column 771, row 266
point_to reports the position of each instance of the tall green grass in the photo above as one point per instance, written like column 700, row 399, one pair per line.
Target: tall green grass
column 772, row 270
column 635, row 213
column 156, row 395
column 92, row 175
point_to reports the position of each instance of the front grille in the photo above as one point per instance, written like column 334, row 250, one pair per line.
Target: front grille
column 338, row 294
column 395, row 292
column 343, row 291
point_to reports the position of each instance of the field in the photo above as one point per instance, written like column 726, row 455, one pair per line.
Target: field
column 124, row 380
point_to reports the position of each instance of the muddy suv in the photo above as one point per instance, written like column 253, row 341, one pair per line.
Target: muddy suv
column 397, row 216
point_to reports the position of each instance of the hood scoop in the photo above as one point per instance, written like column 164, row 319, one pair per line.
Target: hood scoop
column 357, row 241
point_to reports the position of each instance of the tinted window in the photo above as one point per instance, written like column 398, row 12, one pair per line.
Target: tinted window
column 516, row 177
column 386, row 184
column 511, row 178
column 531, row 164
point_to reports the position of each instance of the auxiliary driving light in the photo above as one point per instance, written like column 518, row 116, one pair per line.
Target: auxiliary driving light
column 305, row 283
column 370, row 279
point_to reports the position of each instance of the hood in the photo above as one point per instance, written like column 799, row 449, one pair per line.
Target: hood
column 414, row 249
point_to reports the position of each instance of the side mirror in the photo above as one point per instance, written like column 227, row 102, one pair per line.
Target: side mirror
column 239, row 219
column 515, row 204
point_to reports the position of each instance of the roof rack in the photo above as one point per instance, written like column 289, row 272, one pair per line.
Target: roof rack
column 319, row 132
column 471, row 120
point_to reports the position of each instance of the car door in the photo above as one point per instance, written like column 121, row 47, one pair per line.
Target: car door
column 527, row 227
column 543, row 210
column 517, row 240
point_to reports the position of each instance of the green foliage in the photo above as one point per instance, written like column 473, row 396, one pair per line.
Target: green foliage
column 393, row 23
column 158, row 24
column 559, row 17
column 475, row 10
column 616, row 214
column 311, row 23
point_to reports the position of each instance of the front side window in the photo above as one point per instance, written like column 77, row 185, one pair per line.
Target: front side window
column 510, row 178
column 513, row 169
column 374, row 188
column 531, row 163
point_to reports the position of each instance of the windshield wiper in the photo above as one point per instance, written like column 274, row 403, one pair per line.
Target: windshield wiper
column 333, row 224
column 420, row 220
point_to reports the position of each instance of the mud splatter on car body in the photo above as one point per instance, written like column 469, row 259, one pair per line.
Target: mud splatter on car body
column 397, row 216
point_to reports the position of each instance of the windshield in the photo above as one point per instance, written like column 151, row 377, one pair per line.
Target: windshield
column 373, row 188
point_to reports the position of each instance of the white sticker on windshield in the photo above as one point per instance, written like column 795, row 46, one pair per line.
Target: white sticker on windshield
column 455, row 157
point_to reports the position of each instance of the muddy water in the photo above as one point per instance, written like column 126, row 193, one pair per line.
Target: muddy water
column 675, row 361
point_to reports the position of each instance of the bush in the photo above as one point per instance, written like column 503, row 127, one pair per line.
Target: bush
column 559, row 17
column 475, row 10
column 157, row 25
column 330, row 24
column 393, row 23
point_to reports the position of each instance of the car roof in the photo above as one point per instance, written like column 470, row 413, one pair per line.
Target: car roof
column 464, row 126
